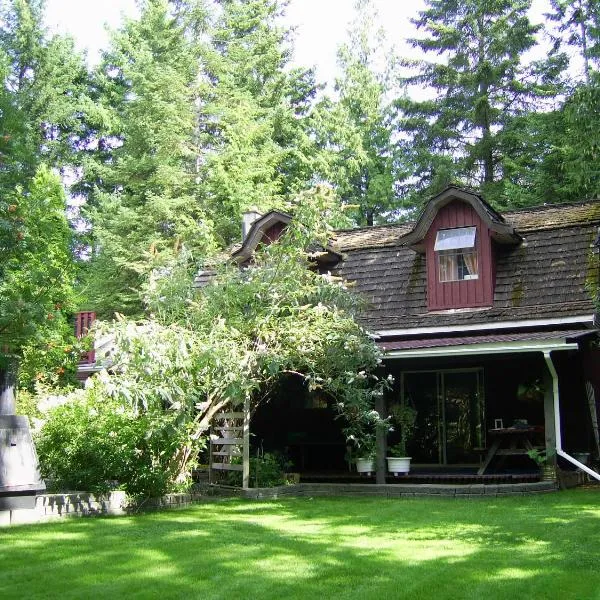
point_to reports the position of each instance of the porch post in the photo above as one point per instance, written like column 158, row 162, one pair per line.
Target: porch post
column 246, row 445
column 380, row 442
column 549, row 418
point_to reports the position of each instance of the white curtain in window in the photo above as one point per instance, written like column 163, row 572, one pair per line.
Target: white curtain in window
column 448, row 267
column 471, row 262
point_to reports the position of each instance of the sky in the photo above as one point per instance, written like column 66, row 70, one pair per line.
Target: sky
column 321, row 25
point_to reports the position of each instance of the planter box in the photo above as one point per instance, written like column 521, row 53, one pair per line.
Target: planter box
column 365, row 465
column 397, row 465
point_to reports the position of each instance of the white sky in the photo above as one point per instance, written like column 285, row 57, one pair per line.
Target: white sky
column 321, row 25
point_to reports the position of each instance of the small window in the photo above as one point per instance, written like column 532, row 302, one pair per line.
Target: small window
column 456, row 254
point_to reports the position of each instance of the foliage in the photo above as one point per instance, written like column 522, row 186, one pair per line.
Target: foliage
column 541, row 457
column 267, row 469
column 255, row 150
column 51, row 359
column 405, row 417
column 355, row 129
column 93, row 440
column 36, row 266
column 140, row 178
column 579, row 26
column 238, row 337
column 478, row 84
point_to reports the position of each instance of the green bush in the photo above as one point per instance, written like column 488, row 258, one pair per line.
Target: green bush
column 266, row 470
column 95, row 443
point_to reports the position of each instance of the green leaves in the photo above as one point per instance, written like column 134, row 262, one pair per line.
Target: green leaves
column 37, row 267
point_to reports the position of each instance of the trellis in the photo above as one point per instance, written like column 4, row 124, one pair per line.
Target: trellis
column 230, row 441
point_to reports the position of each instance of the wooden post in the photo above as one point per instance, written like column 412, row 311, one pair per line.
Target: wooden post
column 380, row 442
column 246, row 445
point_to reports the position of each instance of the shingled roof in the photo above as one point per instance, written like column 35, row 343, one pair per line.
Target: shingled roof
column 544, row 277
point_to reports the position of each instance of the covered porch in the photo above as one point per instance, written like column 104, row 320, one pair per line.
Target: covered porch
column 482, row 404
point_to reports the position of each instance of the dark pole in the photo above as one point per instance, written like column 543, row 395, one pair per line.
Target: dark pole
column 380, row 441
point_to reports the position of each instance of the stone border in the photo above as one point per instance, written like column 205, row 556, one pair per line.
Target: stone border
column 395, row 490
column 49, row 507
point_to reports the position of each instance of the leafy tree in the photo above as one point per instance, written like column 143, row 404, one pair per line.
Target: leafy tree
column 36, row 268
column 45, row 86
column 478, row 85
column 255, row 149
column 238, row 337
column 141, row 178
column 356, row 127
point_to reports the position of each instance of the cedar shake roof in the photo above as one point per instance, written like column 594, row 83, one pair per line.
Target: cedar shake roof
column 543, row 277
column 537, row 218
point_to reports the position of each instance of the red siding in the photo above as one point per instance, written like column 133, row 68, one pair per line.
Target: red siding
column 460, row 294
column 273, row 233
column 83, row 322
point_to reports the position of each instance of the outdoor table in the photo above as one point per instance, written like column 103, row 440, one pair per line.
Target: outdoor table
column 509, row 441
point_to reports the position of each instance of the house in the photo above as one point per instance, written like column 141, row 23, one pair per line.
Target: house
column 487, row 323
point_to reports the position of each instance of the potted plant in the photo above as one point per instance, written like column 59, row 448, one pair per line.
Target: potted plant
column 404, row 417
column 546, row 465
column 365, row 461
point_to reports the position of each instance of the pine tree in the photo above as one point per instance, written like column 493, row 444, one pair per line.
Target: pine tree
column 256, row 152
column 46, row 83
column 355, row 128
column 141, row 178
column 579, row 27
column 478, row 84
column 43, row 96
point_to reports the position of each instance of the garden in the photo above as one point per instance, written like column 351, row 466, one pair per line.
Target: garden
column 538, row 546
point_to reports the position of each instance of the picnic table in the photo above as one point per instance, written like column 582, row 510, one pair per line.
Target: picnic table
column 509, row 441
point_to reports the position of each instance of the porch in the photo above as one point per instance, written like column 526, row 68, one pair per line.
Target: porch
column 479, row 413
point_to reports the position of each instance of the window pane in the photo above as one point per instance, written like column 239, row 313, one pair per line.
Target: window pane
column 453, row 239
column 457, row 265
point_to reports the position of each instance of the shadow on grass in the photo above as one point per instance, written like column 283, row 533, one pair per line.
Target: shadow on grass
column 535, row 547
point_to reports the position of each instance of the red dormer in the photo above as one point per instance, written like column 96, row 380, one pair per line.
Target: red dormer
column 456, row 233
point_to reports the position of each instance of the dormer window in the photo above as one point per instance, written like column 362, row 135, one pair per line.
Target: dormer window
column 456, row 254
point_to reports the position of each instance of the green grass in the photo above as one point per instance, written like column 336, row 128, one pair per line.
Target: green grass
column 544, row 546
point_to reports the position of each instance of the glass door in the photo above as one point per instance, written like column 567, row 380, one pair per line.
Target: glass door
column 450, row 424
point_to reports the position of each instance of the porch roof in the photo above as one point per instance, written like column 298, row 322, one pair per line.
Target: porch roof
column 503, row 343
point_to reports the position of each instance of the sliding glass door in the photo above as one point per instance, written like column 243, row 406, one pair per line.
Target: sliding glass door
column 450, row 424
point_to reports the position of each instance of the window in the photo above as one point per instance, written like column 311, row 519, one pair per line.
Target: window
column 456, row 254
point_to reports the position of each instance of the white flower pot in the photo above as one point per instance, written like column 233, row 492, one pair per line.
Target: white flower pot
column 365, row 465
column 398, row 465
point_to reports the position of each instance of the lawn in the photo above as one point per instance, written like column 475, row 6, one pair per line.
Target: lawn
column 544, row 546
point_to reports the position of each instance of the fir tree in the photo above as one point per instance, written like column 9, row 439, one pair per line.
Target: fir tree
column 356, row 127
column 256, row 152
column 141, row 178
column 478, row 84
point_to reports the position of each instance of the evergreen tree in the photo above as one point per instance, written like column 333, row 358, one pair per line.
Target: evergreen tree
column 256, row 152
column 45, row 88
column 43, row 97
column 356, row 127
column 140, row 179
column 478, row 85
column 579, row 27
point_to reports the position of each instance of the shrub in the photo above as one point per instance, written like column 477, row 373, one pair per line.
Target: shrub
column 94, row 442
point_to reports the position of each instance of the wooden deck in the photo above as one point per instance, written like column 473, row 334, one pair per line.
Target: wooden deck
column 424, row 476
